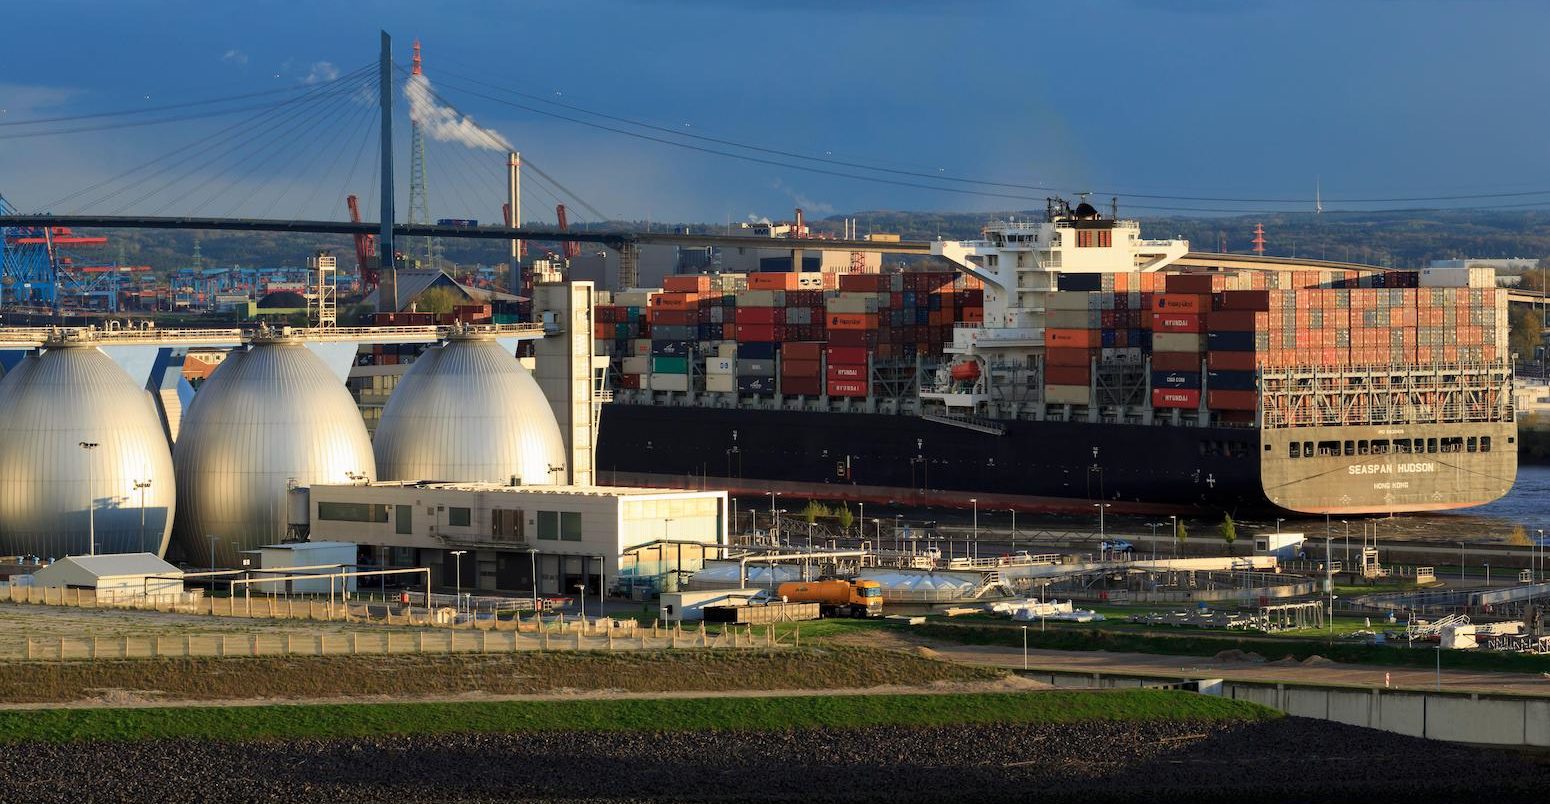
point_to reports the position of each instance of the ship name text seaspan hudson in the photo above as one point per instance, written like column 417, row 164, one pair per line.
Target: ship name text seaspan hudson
column 1391, row 468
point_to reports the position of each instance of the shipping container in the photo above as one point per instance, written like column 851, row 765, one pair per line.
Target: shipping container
column 1067, row 394
column 1232, row 361
column 1231, row 381
column 801, row 386
column 669, row 382
column 1177, row 342
column 762, row 386
column 803, row 350
column 848, row 388
column 1175, row 379
column 846, row 355
column 1067, row 375
column 1230, row 341
column 669, row 365
column 1073, row 338
column 720, row 383
column 754, row 351
column 800, row 368
column 719, row 365
column 1232, row 400
column 1068, row 357
column 755, row 368
column 847, row 372
column 1177, row 322
column 1175, row 398
column 1193, row 304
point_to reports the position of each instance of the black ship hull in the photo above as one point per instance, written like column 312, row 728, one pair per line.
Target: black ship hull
column 1036, row 465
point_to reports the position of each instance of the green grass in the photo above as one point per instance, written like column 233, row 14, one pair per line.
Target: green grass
column 1181, row 643
column 759, row 714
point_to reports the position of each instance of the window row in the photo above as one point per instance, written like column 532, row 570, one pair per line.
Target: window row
column 1383, row 446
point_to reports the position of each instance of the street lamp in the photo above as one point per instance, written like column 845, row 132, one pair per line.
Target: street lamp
column 773, row 495
column 1173, row 519
column 1100, row 507
column 1153, row 526
column 602, row 583
column 1025, row 647
column 1014, row 528
column 975, row 501
column 141, row 486
column 213, row 538
column 1347, row 562
column 91, row 502
column 581, row 600
column 532, row 556
column 457, row 565
column 1461, row 562
column 1279, row 520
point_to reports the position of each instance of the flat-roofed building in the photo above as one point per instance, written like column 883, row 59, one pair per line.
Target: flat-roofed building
column 577, row 535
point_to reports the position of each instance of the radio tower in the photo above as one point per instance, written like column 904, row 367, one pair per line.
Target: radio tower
column 1259, row 239
column 419, row 200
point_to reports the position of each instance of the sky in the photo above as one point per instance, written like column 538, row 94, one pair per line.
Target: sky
column 1170, row 104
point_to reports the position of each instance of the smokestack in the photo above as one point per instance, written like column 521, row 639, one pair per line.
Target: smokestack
column 797, row 230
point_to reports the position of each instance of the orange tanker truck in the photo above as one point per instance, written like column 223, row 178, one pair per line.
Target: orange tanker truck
column 836, row 598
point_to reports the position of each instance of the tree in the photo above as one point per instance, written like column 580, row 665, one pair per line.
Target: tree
column 1183, row 533
column 846, row 518
column 436, row 300
column 1526, row 325
column 1519, row 537
column 813, row 511
column 1229, row 531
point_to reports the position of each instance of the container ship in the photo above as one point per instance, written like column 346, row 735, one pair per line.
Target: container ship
column 1068, row 362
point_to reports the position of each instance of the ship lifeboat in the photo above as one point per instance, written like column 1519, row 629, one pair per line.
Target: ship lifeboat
column 966, row 372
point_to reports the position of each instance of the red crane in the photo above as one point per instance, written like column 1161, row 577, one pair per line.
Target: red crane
column 571, row 248
column 365, row 246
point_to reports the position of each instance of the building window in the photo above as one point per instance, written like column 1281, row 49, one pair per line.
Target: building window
column 352, row 512
column 403, row 519
column 459, row 517
column 1485, row 443
column 506, row 524
column 1105, row 238
column 549, row 525
column 1084, row 238
column 570, row 526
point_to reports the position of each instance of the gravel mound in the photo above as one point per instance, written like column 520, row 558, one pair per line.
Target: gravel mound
column 1235, row 655
column 1284, row 760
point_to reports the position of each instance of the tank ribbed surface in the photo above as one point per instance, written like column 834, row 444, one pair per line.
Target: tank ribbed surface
column 49, row 404
column 267, row 417
column 467, row 411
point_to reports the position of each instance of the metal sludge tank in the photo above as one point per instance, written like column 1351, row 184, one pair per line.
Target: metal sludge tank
column 467, row 411
column 268, row 418
column 50, row 404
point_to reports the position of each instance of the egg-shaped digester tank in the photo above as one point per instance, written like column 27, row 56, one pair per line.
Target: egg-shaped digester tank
column 51, row 404
column 267, row 418
column 467, row 411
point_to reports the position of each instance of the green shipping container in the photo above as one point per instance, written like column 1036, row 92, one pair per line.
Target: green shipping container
column 669, row 365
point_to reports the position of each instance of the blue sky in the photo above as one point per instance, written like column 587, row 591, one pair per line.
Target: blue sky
column 1214, row 98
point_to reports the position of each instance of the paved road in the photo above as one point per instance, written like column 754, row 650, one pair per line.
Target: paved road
column 1200, row 667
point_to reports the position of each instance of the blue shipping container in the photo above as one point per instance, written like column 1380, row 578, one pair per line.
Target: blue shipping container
column 756, row 350
column 672, row 348
column 756, row 385
column 1230, row 341
column 1230, row 380
column 1176, row 379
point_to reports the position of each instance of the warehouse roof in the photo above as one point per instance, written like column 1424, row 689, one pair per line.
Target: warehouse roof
column 593, row 491
column 113, row 564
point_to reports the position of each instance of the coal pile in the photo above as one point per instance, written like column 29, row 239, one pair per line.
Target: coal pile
column 1284, row 760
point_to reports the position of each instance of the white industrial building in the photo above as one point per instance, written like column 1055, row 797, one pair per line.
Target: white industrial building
column 320, row 558
column 117, row 576
column 491, row 537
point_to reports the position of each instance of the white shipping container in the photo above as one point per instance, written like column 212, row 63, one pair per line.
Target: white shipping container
column 635, row 298
column 810, row 281
column 1073, row 300
column 1178, row 342
column 669, row 382
column 1073, row 319
column 721, row 383
column 726, row 349
column 720, row 365
column 762, row 298
column 637, row 365
column 1445, row 277
column 848, row 302
column 1067, row 394
column 640, row 346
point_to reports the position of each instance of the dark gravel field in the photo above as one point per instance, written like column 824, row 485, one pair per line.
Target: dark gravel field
column 1284, row 760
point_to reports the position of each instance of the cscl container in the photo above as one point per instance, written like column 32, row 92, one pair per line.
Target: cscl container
column 755, row 368
column 1231, row 381
column 1175, row 379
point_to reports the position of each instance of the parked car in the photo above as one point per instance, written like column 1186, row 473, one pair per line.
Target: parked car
column 1116, row 546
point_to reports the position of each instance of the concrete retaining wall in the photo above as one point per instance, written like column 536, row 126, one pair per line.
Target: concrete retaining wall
column 1454, row 717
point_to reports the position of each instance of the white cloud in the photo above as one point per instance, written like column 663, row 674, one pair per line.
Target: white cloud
column 321, row 71
column 234, row 56
column 446, row 124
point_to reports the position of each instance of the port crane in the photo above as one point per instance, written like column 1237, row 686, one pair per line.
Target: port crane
column 365, row 246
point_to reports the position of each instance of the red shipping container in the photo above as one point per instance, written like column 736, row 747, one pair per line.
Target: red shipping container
column 1068, row 357
column 1175, row 361
column 772, row 281
column 850, row 388
column 1175, row 397
column 687, row 283
column 847, row 372
column 629, row 380
column 761, row 315
column 1245, row 300
column 1177, row 322
column 1195, row 283
column 1231, row 400
column 846, row 355
column 755, row 332
column 800, row 368
column 862, row 338
column 851, row 320
column 807, row 350
column 1231, row 320
column 1073, row 338
column 1067, row 375
column 801, row 386
column 1173, row 302
column 1230, row 361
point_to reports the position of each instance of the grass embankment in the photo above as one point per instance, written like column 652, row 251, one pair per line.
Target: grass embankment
column 694, row 714
column 1270, row 648
column 502, row 674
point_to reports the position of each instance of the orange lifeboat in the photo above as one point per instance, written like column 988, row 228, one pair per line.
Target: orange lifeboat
column 966, row 371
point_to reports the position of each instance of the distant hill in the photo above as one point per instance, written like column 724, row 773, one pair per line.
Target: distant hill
column 1402, row 239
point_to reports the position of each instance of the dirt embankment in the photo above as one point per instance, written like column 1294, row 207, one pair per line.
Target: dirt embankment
column 1283, row 760
column 119, row 682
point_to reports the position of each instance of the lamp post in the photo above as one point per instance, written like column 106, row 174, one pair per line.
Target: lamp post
column 581, row 600
column 1347, row 561
column 1539, row 555
column 1101, row 532
column 861, row 524
column 1173, row 519
column 1153, row 526
column 457, row 567
column 212, row 539
column 532, row 556
column 773, row 495
column 898, row 544
column 1488, row 575
column 1461, row 562
column 1279, row 520
column 1025, row 647
column 91, row 501
column 1014, row 528
column 141, row 486
column 975, row 501
column 602, row 583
